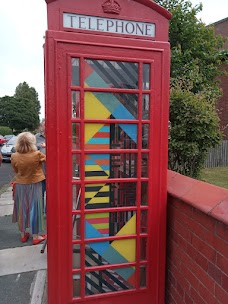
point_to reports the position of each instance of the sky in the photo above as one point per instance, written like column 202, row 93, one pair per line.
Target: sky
column 22, row 28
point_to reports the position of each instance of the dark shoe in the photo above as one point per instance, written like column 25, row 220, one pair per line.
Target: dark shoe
column 25, row 238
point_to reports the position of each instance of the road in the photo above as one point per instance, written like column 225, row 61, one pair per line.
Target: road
column 6, row 174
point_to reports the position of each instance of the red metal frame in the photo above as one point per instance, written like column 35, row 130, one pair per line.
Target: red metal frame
column 60, row 47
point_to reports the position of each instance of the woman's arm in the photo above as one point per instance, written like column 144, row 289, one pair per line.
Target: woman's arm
column 13, row 164
column 42, row 157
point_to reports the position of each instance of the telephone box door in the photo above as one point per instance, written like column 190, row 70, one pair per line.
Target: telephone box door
column 107, row 123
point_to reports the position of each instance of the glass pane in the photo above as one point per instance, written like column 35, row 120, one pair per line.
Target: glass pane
column 75, row 166
column 75, row 72
column 144, row 165
column 104, row 281
column 114, row 136
column 123, row 165
column 111, row 195
column 143, row 270
column 145, row 136
column 144, row 221
column 144, row 194
column 75, row 104
column 76, row 285
column 76, row 256
column 146, row 76
column 123, row 136
column 111, row 105
column 97, row 166
column 76, row 226
column 145, row 106
column 123, row 194
column 110, row 253
column 143, row 249
column 121, row 219
column 75, row 136
column 111, row 74
column 110, row 224
column 76, row 197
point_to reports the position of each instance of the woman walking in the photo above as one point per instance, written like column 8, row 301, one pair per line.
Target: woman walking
column 28, row 209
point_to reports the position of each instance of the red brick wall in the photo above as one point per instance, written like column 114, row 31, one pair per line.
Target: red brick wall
column 197, row 242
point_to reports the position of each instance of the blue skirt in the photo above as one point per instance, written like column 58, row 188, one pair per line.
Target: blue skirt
column 28, row 208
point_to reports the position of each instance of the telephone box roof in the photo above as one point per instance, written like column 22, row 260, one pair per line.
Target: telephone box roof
column 149, row 3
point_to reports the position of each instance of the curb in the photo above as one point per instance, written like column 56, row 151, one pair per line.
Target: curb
column 39, row 288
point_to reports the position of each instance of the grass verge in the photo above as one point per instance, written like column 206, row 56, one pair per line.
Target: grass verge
column 216, row 176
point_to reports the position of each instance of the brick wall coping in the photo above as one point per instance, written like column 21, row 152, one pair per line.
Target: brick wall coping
column 205, row 197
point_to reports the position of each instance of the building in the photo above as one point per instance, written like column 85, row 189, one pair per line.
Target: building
column 221, row 28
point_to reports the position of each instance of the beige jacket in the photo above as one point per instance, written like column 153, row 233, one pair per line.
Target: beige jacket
column 28, row 167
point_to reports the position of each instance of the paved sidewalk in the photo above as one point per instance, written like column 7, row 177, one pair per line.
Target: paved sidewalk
column 22, row 266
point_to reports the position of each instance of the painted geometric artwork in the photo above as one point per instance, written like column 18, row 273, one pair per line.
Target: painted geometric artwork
column 102, row 166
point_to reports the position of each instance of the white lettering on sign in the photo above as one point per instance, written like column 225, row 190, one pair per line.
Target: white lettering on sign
column 116, row 26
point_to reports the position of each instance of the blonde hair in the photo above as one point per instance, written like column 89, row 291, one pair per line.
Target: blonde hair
column 26, row 142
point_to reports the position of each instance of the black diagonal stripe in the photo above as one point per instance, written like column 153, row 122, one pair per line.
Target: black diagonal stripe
column 126, row 97
column 107, row 75
column 102, row 194
column 93, row 188
column 97, row 206
column 129, row 102
column 100, row 279
column 88, row 280
column 88, row 291
column 122, row 79
column 98, row 262
column 95, row 173
column 130, row 69
column 87, row 200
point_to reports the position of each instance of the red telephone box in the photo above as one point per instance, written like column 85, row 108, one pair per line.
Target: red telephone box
column 107, row 91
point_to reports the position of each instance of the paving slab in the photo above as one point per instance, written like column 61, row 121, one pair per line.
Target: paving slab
column 9, row 234
column 22, row 259
column 5, row 201
column 7, row 194
column 6, row 210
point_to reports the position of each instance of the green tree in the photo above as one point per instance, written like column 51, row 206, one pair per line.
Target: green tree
column 5, row 130
column 195, row 55
column 195, row 64
column 18, row 114
column 24, row 91
column 194, row 130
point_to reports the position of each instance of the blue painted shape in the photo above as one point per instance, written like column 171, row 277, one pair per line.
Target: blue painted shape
column 99, row 156
column 114, row 257
column 107, row 251
column 105, row 129
column 125, row 272
column 105, row 168
column 130, row 130
column 122, row 113
column 91, row 232
column 90, row 162
column 108, row 100
column 94, row 80
column 99, row 140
